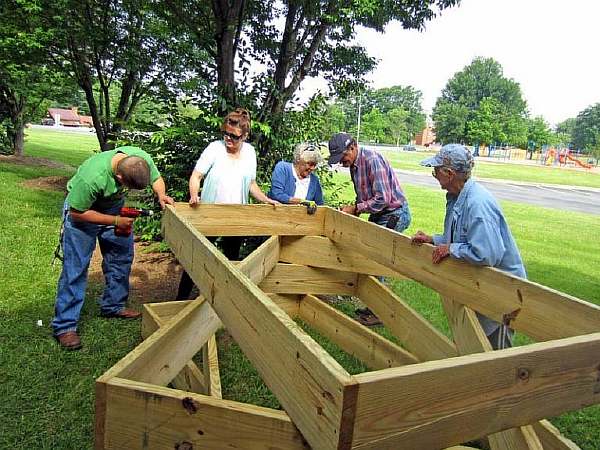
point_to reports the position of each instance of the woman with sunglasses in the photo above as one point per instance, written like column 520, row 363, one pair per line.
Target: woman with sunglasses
column 228, row 168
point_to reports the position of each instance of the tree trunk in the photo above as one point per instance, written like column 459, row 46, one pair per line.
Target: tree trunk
column 228, row 22
column 18, row 138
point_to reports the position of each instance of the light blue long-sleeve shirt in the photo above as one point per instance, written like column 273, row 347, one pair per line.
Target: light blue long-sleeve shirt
column 478, row 233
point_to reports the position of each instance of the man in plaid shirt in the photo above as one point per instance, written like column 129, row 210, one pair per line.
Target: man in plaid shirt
column 377, row 188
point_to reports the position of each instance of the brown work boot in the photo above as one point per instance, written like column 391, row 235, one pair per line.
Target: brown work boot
column 125, row 313
column 69, row 340
column 368, row 320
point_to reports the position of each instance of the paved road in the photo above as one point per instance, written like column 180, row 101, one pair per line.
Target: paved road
column 566, row 198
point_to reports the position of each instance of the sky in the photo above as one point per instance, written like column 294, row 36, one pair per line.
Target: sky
column 548, row 47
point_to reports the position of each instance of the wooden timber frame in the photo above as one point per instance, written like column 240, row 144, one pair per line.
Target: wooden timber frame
column 429, row 393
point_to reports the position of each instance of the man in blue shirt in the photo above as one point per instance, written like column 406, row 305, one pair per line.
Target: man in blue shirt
column 475, row 229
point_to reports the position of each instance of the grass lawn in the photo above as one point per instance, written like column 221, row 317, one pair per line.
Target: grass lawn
column 48, row 394
column 503, row 171
column 67, row 147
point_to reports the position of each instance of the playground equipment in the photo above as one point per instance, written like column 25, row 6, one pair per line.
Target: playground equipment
column 554, row 156
column 429, row 393
column 566, row 155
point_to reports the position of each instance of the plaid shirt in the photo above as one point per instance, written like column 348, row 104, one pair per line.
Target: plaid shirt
column 375, row 182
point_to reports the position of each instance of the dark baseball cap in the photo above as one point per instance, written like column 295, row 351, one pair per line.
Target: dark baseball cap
column 454, row 156
column 338, row 144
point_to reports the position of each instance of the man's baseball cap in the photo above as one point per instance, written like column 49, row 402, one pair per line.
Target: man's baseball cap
column 338, row 144
column 455, row 156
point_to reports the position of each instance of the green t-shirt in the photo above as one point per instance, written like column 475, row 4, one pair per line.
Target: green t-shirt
column 94, row 186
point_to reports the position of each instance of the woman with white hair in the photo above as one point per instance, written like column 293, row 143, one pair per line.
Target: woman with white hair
column 293, row 183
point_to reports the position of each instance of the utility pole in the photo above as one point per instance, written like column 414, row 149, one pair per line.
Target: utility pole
column 358, row 124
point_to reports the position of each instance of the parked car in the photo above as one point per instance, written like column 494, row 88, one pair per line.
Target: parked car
column 409, row 148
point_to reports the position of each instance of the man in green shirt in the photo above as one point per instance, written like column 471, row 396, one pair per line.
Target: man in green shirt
column 95, row 196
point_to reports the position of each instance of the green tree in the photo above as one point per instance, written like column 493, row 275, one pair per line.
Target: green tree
column 110, row 45
column 27, row 81
column 385, row 100
column 586, row 132
column 450, row 122
column 538, row 132
column 398, row 125
column 485, row 126
column 373, row 126
column 481, row 79
column 292, row 40
column 566, row 126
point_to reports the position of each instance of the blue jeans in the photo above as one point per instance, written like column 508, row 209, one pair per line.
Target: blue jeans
column 397, row 220
column 78, row 243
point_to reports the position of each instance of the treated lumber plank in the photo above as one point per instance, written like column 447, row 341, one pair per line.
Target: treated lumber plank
column 541, row 313
column 165, row 352
column 319, row 251
column 160, row 358
column 290, row 303
column 252, row 220
column 470, row 338
column 143, row 416
column 210, row 365
column 519, row 438
column 258, row 264
column 313, row 388
column 551, row 437
column 297, row 279
column 442, row 403
column 190, row 378
column 416, row 334
column 355, row 339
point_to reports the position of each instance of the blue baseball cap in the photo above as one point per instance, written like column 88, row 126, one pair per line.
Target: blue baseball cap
column 455, row 156
column 338, row 144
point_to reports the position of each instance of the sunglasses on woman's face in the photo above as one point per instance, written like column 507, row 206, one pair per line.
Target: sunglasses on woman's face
column 233, row 137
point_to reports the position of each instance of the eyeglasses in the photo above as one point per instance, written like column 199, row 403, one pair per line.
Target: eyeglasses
column 233, row 137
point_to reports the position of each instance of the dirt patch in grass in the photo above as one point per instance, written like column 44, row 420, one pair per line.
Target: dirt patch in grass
column 53, row 183
column 154, row 276
column 32, row 161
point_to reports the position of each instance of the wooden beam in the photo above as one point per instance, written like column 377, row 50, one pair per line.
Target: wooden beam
column 551, row 437
column 297, row 279
column 290, row 303
column 143, row 416
column 210, row 365
column 191, row 378
column 470, row 338
column 165, row 352
column 541, row 313
column 252, row 220
column 416, row 334
column 314, row 389
column 355, row 339
column 318, row 251
column 258, row 264
column 442, row 403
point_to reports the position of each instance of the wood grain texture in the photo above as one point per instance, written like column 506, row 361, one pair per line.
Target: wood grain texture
column 297, row 279
column 355, row 339
column 191, row 378
column 252, row 220
column 541, row 313
column 143, row 416
column 441, row 403
column 470, row 338
column 319, row 251
column 416, row 334
column 307, row 381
